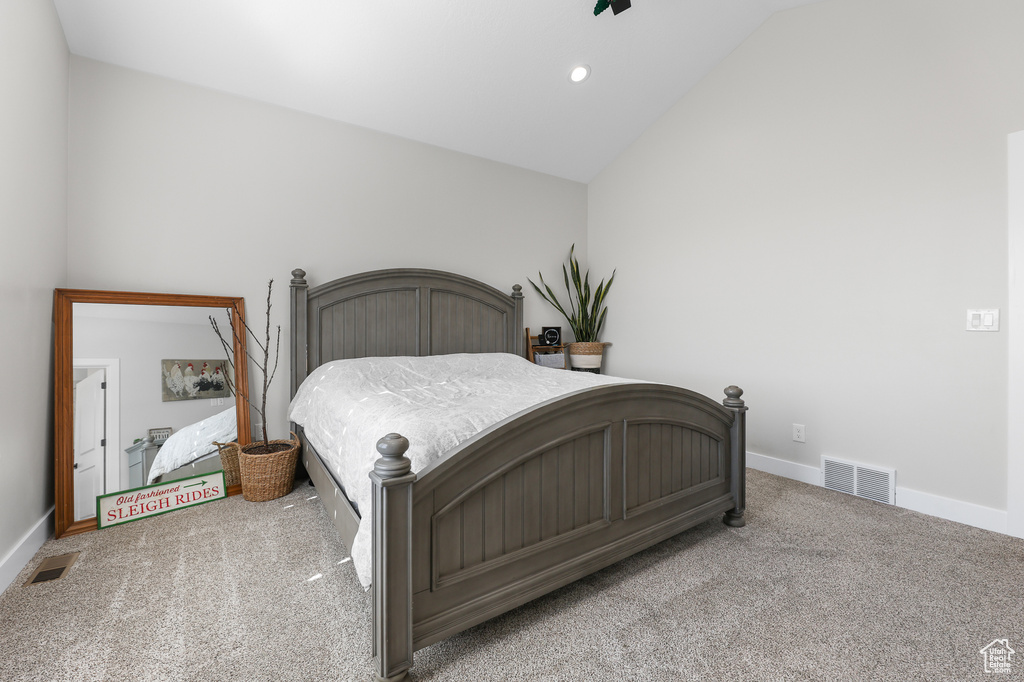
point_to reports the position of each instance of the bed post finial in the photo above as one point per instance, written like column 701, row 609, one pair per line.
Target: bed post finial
column 393, row 461
column 298, row 321
column 392, row 479
column 738, row 473
column 517, row 342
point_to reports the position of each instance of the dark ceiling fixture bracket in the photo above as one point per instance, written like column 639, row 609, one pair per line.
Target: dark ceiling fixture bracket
column 616, row 5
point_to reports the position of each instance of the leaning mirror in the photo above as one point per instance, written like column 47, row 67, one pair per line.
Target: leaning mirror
column 140, row 380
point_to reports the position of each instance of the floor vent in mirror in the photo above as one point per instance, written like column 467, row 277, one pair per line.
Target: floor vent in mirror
column 52, row 568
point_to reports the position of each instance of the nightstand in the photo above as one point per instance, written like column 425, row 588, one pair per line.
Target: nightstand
column 556, row 357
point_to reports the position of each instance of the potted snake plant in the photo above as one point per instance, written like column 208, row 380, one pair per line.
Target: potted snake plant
column 586, row 313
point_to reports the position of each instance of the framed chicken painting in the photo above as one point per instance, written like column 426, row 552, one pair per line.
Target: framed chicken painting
column 194, row 379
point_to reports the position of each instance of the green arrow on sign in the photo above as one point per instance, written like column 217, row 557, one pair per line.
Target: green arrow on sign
column 195, row 484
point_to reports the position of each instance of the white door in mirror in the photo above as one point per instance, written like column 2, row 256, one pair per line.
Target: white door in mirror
column 89, row 443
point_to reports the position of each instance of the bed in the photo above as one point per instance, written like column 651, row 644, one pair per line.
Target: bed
column 529, row 504
column 190, row 451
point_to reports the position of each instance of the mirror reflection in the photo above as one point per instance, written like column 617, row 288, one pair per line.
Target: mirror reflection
column 143, row 387
column 152, row 393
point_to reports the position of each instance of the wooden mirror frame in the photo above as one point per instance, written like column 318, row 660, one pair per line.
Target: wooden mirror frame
column 63, row 388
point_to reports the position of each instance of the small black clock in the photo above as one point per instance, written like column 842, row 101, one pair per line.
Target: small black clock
column 551, row 336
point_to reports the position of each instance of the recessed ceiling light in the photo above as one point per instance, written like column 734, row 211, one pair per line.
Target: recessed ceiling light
column 579, row 73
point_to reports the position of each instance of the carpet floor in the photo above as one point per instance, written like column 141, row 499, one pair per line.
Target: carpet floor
column 817, row 586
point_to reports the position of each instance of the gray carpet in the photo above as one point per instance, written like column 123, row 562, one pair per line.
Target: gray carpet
column 817, row 586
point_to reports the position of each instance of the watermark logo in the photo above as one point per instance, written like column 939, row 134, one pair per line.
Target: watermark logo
column 998, row 656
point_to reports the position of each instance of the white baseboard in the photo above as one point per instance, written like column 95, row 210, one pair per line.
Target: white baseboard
column 953, row 510
column 914, row 500
column 26, row 548
column 784, row 468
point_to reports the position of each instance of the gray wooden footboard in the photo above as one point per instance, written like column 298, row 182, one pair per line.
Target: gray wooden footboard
column 541, row 499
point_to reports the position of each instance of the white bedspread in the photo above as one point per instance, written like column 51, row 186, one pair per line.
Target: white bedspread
column 436, row 402
column 194, row 441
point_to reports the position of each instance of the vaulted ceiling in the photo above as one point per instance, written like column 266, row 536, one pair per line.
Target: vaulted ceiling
column 483, row 77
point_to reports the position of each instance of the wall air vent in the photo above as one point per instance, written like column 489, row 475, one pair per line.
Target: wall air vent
column 870, row 482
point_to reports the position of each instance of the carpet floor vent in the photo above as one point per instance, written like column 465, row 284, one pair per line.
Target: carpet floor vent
column 52, row 568
column 870, row 482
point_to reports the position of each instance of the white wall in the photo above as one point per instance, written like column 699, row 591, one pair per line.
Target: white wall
column 811, row 223
column 174, row 188
column 33, row 209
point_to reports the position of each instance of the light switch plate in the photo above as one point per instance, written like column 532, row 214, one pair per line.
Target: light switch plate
column 983, row 320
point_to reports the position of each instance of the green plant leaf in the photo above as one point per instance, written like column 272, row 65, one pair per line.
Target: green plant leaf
column 585, row 301
column 600, row 323
column 552, row 299
column 568, row 291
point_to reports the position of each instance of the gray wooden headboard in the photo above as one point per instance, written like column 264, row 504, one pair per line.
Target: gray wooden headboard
column 396, row 312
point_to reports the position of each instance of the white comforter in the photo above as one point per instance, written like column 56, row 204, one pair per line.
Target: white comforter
column 191, row 442
column 436, row 402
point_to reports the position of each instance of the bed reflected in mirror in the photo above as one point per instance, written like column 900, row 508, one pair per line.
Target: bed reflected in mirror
column 144, row 388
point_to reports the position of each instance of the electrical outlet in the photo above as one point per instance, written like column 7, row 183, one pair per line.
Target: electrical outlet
column 798, row 433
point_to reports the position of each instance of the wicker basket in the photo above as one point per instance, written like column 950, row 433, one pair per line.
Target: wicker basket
column 268, row 477
column 229, row 462
column 586, row 355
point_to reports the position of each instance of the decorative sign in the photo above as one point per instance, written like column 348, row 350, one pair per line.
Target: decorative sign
column 151, row 500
